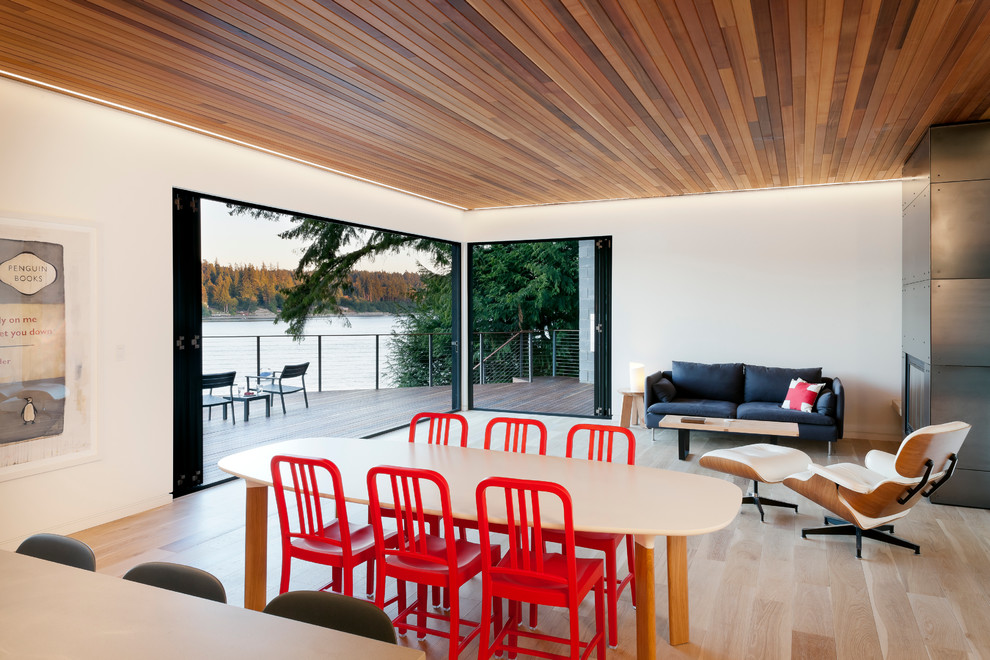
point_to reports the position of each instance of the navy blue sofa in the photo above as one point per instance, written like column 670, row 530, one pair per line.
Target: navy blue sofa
column 744, row 391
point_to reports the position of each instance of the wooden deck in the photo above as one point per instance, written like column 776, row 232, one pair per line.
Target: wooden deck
column 361, row 413
column 554, row 396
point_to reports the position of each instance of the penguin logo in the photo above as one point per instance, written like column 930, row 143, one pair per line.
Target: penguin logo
column 28, row 413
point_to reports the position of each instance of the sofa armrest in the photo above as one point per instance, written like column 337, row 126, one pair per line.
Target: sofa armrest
column 840, row 406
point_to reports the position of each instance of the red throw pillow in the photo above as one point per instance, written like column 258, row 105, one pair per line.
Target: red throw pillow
column 801, row 395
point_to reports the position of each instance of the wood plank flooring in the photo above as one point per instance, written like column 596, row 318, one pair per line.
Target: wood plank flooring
column 757, row 590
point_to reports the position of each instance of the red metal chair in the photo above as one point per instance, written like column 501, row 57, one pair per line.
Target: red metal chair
column 528, row 573
column 517, row 430
column 598, row 442
column 440, row 427
column 438, row 433
column 307, row 534
column 412, row 495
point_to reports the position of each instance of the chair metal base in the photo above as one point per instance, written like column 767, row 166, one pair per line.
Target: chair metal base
column 754, row 498
column 883, row 533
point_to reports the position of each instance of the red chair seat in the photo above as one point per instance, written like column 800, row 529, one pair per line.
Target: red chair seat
column 467, row 556
column 545, row 591
column 362, row 541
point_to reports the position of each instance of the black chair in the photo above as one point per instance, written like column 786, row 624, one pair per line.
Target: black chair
column 180, row 578
column 275, row 384
column 60, row 549
column 336, row 611
column 213, row 381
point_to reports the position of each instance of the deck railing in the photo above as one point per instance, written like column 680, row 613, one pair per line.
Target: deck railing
column 502, row 357
column 371, row 361
column 337, row 361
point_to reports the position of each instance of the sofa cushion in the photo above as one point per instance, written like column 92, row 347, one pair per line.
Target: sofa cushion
column 801, row 395
column 664, row 390
column 771, row 383
column 716, row 382
column 696, row 408
column 826, row 403
column 772, row 412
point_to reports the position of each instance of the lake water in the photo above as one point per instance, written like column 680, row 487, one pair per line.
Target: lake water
column 348, row 353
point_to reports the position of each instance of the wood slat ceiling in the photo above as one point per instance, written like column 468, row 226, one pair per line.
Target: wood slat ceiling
column 480, row 103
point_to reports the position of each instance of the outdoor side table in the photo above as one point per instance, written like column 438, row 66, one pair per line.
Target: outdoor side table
column 248, row 398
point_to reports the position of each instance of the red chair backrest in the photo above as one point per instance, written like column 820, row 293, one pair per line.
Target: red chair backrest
column 598, row 442
column 516, row 431
column 406, row 492
column 305, row 476
column 522, row 502
column 440, row 427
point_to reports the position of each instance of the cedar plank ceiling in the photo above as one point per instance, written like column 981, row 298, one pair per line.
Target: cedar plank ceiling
column 481, row 103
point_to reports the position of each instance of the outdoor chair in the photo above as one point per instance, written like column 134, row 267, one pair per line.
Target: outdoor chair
column 60, row 549
column 211, row 400
column 310, row 536
column 179, row 578
column 275, row 384
column 335, row 611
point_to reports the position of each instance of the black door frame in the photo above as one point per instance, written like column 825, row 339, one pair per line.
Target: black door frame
column 603, row 324
column 187, row 319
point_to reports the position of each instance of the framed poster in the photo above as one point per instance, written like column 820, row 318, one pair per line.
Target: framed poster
column 47, row 346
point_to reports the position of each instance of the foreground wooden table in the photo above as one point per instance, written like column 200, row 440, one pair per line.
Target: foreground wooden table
column 607, row 497
column 48, row 610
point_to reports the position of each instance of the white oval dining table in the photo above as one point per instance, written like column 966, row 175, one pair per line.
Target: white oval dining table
column 607, row 497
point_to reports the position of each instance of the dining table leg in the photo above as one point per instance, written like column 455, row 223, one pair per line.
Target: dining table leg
column 646, row 603
column 256, row 547
column 677, row 595
column 677, row 590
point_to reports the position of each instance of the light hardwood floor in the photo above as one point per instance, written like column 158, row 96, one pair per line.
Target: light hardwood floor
column 757, row 590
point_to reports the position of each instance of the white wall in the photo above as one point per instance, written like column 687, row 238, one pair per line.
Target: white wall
column 76, row 162
column 796, row 277
column 793, row 277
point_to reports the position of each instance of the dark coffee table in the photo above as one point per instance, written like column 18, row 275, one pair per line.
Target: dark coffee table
column 247, row 398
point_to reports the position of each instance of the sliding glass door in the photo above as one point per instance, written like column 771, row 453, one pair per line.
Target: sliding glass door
column 540, row 326
column 369, row 316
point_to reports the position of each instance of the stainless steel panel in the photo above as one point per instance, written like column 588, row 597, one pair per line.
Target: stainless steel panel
column 916, row 394
column 916, row 241
column 960, row 229
column 916, row 314
column 960, row 322
column 961, row 393
column 960, row 152
column 965, row 488
column 916, row 172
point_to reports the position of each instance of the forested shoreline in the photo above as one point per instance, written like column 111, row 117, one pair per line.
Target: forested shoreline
column 246, row 288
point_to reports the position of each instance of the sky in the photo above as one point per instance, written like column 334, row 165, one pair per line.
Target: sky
column 246, row 240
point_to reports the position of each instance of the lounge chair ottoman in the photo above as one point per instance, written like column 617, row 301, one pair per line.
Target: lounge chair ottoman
column 766, row 463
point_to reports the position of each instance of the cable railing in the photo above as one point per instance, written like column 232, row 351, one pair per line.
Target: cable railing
column 385, row 361
column 506, row 357
column 338, row 361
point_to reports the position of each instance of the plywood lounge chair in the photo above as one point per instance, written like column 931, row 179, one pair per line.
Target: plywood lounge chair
column 869, row 498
